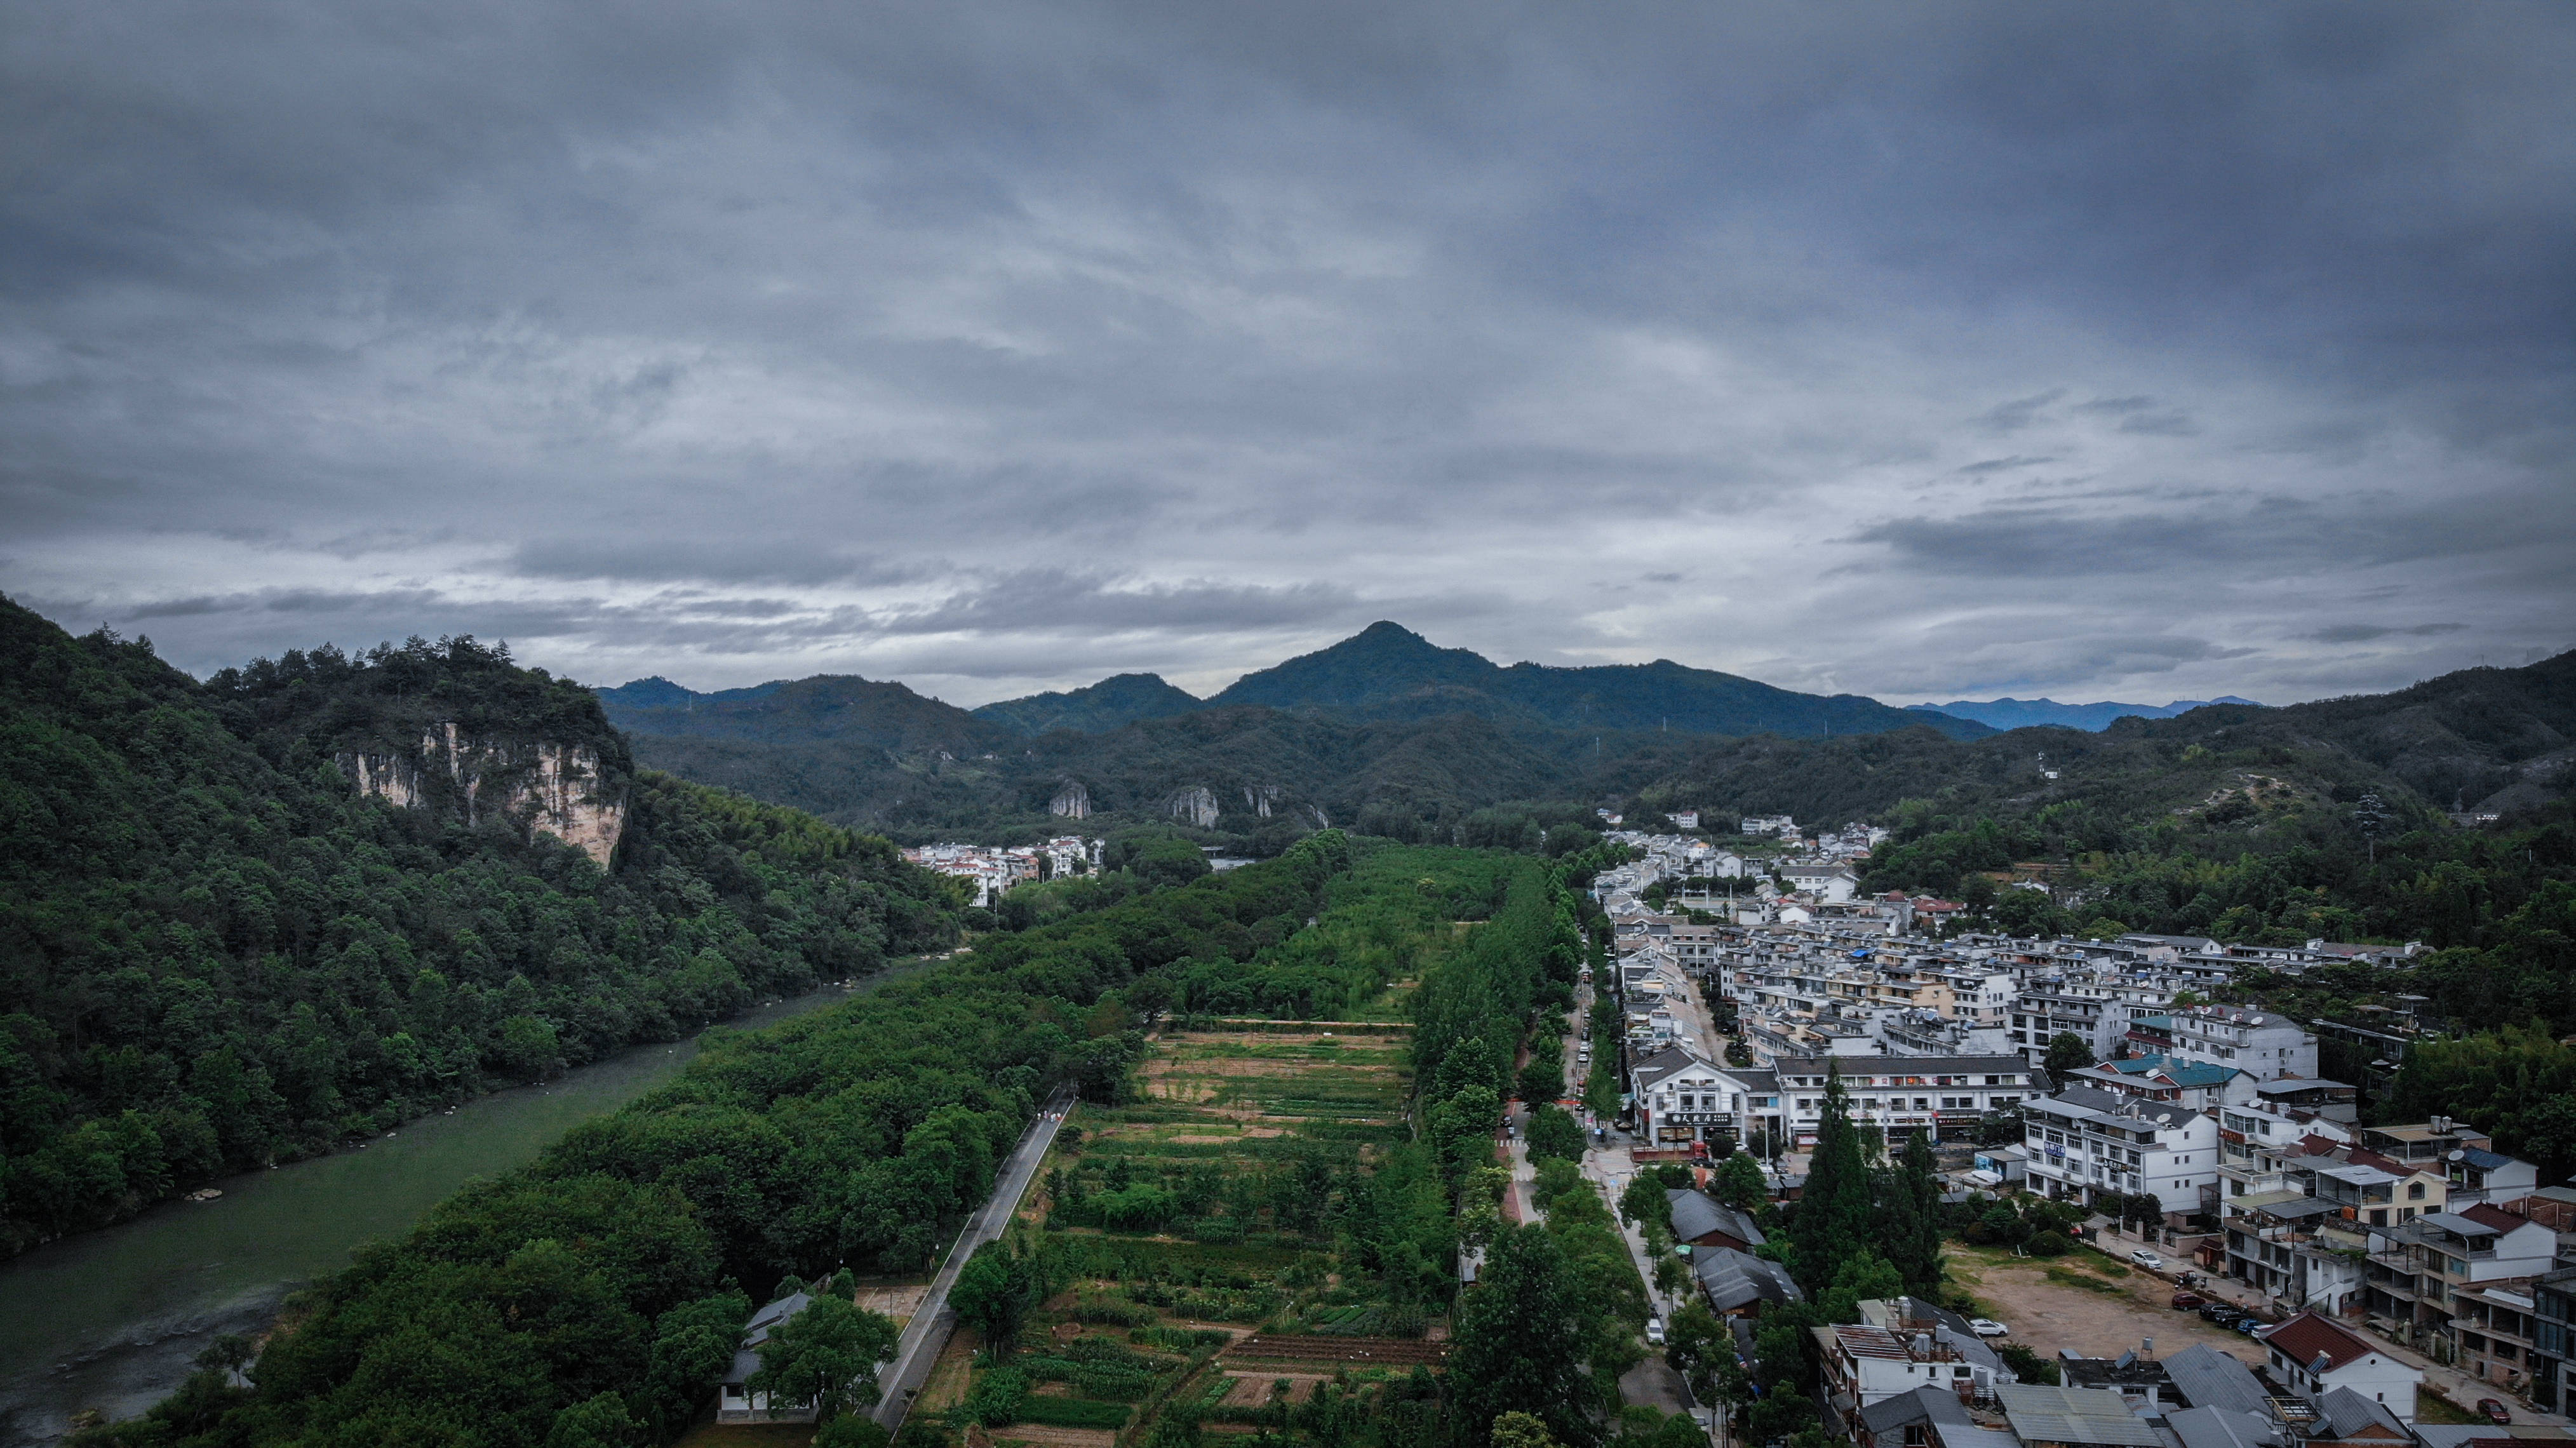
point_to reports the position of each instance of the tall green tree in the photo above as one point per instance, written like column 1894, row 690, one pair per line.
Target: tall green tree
column 994, row 1292
column 1739, row 1182
column 2066, row 1052
column 825, row 1356
column 1518, row 1346
column 1834, row 1214
column 1552, row 1133
column 1910, row 1220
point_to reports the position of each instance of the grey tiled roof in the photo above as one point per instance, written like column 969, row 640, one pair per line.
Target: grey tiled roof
column 2208, row 1378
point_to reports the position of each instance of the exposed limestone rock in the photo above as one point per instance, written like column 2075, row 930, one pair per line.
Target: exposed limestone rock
column 1260, row 797
column 556, row 788
column 1071, row 801
column 1196, row 804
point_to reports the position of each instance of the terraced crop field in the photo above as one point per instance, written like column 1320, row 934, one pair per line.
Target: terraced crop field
column 1252, row 1094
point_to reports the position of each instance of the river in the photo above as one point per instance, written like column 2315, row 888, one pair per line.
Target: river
column 111, row 1319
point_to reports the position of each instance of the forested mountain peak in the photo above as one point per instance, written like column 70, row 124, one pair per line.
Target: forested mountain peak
column 1093, row 709
column 660, row 693
column 1388, row 671
column 871, row 713
column 1383, row 661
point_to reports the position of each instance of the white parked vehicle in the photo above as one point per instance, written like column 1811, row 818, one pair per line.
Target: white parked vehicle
column 1655, row 1331
column 2148, row 1260
column 1988, row 1327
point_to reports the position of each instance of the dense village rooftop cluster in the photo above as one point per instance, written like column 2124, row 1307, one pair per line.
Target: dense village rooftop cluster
column 994, row 870
column 2419, row 1234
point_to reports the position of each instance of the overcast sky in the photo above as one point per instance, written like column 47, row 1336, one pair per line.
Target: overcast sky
column 1924, row 351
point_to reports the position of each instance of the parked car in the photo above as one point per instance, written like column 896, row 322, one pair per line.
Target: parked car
column 1988, row 1327
column 2495, row 1411
column 2185, row 1301
column 1655, row 1331
column 2148, row 1260
column 2222, row 1313
column 2250, row 1325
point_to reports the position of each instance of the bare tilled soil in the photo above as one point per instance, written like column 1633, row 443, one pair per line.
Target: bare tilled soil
column 1252, row 1387
column 1323, row 1348
column 1042, row 1435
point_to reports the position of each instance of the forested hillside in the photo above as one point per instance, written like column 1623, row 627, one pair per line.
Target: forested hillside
column 215, row 953
column 1269, row 773
column 2479, row 739
column 594, row 1296
column 619, row 1263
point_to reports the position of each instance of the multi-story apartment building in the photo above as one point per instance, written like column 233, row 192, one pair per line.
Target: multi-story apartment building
column 1893, row 1093
column 2263, row 1045
column 2552, row 1373
column 2084, row 1143
column 2493, row 1331
column 2419, row 1270
column 2056, row 1005
column 2196, row 1084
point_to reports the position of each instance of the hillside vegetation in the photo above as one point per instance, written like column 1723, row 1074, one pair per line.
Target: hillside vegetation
column 216, row 954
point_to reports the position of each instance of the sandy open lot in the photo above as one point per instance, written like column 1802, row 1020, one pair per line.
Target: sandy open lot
column 2045, row 1316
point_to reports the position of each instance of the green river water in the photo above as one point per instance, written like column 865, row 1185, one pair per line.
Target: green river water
column 110, row 1319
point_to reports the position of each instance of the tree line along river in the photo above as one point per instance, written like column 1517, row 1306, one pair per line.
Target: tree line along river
column 111, row 1319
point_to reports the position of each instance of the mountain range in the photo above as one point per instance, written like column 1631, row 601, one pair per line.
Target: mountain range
column 1392, row 733
column 1383, row 673
column 2022, row 713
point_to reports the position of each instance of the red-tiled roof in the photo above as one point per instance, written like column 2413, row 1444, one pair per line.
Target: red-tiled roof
column 2488, row 1214
column 2303, row 1337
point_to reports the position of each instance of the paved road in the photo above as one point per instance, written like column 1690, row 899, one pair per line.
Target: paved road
column 926, row 1336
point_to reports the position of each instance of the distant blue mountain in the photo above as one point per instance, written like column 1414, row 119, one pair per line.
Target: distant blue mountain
column 2022, row 713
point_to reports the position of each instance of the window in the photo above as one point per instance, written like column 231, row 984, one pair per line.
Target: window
column 2414, row 1191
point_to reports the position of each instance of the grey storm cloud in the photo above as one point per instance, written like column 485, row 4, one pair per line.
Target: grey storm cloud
column 2362, row 633
column 998, row 345
column 2002, row 465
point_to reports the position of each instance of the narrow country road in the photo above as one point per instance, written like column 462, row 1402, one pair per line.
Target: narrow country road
column 926, row 1335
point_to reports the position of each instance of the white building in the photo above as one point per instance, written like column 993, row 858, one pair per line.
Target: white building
column 1833, row 884
column 2086, row 1143
column 2314, row 1355
column 2259, row 1043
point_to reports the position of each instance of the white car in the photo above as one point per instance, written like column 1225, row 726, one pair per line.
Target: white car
column 1655, row 1331
column 1988, row 1327
column 2148, row 1260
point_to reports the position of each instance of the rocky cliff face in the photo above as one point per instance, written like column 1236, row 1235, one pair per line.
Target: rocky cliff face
column 557, row 788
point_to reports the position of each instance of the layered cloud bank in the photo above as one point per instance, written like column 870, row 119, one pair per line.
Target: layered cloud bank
column 997, row 347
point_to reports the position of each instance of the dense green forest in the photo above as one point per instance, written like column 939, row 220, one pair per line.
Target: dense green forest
column 593, row 1297
column 216, row 954
column 618, row 1262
